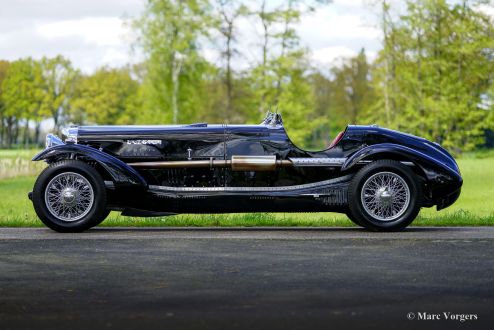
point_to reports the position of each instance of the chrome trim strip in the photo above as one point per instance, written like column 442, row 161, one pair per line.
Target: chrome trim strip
column 301, row 162
column 252, row 189
column 109, row 185
column 313, row 162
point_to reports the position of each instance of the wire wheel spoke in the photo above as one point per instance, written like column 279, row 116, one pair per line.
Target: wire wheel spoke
column 69, row 196
column 385, row 196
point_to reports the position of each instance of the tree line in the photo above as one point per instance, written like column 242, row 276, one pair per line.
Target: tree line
column 433, row 76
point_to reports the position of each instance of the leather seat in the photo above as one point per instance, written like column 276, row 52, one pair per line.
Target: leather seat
column 336, row 139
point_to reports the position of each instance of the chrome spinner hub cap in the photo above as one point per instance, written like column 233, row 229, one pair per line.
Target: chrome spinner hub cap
column 385, row 196
column 69, row 196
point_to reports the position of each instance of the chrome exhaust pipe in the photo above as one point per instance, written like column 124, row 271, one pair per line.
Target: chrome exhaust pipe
column 237, row 163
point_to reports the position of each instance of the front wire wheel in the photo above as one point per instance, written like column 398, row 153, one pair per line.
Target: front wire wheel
column 70, row 196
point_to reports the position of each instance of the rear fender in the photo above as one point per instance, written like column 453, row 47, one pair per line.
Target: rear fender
column 433, row 168
column 122, row 174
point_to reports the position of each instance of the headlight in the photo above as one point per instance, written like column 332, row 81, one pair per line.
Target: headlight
column 52, row 140
column 70, row 133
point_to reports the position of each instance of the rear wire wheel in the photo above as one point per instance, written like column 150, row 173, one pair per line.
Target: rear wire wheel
column 385, row 196
column 353, row 219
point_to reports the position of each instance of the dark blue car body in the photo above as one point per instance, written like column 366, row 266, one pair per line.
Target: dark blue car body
column 201, row 168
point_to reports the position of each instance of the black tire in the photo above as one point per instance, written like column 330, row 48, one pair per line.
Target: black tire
column 93, row 215
column 353, row 219
column 104, row 216
column 366, row 217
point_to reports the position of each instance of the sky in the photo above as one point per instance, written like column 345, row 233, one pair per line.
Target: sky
column 94, row 33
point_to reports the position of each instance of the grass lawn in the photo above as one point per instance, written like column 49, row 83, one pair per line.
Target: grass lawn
column 15, row 163
column 475, row 206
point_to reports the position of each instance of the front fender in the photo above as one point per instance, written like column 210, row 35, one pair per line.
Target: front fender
column 121, row 173
column 432, row 164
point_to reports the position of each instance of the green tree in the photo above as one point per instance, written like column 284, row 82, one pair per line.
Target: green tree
column 341, row 97
column 322, row 90
column 351, row 89
column 296, row 100
column 4, row 66
column 441, row 67
column 169, row 33
column 229, row 11
column 58, row 77
column 106, row 97
column 21, row 98
column 281, row 78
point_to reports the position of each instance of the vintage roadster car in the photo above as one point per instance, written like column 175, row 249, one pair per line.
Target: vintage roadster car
column 379, row 177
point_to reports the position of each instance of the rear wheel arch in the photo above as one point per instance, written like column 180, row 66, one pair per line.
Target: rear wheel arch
column 417, row 168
